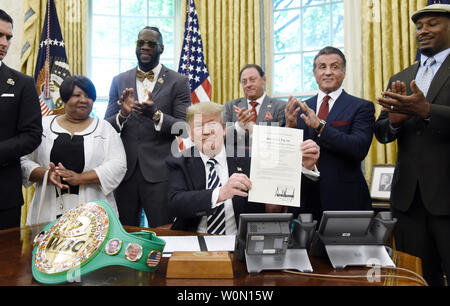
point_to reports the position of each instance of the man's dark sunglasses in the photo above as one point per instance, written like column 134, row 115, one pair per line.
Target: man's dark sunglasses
column 151, row 43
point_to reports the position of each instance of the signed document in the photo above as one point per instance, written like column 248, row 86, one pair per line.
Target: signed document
column 276, row 165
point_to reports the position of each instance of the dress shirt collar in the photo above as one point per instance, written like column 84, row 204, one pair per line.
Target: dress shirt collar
column 221, row 158
column 440, row 58
column 333, row 95
column 0, row 63
column 155, row 70
column 260, row 100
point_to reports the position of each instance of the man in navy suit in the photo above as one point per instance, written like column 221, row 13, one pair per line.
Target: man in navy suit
column 194, row 199
column 20, row 128
column 343, row 126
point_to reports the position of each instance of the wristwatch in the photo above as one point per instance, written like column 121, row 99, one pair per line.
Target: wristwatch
column 321, row 126
column 157, row 116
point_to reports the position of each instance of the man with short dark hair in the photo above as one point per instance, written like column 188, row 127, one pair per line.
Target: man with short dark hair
column 20, row 128
column 416, row 113
column 342, row 125
column 144, row 104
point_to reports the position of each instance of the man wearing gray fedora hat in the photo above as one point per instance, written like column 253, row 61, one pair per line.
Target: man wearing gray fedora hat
column 416, row 113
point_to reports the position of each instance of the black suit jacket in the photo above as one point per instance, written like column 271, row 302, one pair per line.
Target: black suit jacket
column 143, row 144
column 189, row 200
column 20, row 131
column 423, row 157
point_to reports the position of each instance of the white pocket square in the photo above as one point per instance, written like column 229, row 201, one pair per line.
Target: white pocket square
column 7, row 95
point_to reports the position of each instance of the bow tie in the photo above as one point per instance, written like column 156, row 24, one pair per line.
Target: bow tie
column 141, row 76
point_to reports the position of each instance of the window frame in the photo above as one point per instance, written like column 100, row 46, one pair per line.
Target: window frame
column 178, row 18
column 302, row 94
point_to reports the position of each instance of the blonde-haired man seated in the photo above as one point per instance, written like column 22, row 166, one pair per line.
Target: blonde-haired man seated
column 208, row 184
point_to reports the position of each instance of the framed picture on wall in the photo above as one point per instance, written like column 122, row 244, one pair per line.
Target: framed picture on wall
column 380, row 187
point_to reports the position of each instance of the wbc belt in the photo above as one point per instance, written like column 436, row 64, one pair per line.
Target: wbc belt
column 88, row 238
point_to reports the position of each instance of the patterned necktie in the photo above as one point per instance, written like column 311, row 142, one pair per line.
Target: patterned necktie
column 424, row 78
column 254, row 104
column 324, row 108
column 216, row 221
column 141, row 76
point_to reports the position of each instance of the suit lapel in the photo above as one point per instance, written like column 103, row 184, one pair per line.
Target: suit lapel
column 196, row 169
column 130, row 82
column 162, row 78
column 5, row 75
column 339, row 106
column 266, row 106
column 439, row 80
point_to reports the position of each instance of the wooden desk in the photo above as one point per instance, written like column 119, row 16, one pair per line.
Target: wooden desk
column 16, row 253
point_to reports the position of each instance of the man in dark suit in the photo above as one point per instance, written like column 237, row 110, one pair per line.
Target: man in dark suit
column 342, row 126
column 20, row 128
column 145, row 105
column 199, row 201
column 255, row 108
column 416, row 113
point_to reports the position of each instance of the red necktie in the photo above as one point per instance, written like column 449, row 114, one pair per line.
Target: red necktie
column 254, row 104
column 324, row 108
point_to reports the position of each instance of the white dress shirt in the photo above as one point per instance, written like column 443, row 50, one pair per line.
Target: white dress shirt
column 333, row 97
column 260, row 100
column 222, row 172
column 143, row 88
column 440, row 58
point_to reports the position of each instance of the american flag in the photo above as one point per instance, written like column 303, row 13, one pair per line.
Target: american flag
column 153, row 259
column 52, row 66
column 192, row 61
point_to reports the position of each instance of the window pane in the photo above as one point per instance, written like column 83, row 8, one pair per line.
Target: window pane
column 105, row 37
column 105, row 7
column 284, row 4
column 130, row 27
column 127, row 64
column 287, row 31
column 134, row 8
column 99, row 109
column 316, row 27
column 309, row 82
column 160, row 8
column 103, row 71
column 314, row 2
column 287, row 73
column 338, row 24
column 301, row 28
column 166, row 27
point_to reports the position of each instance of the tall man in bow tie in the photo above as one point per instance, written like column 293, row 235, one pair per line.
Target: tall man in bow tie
column 20, row 128
column 144, row 104
column 416, row 113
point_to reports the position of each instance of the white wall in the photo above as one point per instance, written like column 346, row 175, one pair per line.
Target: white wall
column 15, row 9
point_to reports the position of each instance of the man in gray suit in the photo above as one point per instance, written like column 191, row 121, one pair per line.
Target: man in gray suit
column 255, row 108
column 144, row 104
column 416, row 113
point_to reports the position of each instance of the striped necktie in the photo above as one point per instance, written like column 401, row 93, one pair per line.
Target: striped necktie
column 216, row 221
column 424, row 78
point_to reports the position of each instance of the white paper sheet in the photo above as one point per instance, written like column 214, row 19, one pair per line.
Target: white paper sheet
column 191, row 244
column 276, row 166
